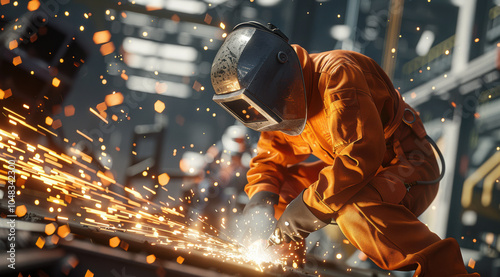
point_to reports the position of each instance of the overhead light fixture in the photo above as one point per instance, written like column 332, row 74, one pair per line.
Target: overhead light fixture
column 186, row 6
column 168, row 51
column 268, row 3
column 150, row 85
column 136, row 19
column 183, row 6
column 177, row 68
column 201, row 30
column 215, row 2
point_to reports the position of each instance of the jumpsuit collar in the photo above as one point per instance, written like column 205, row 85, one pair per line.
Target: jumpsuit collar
column 307, row 74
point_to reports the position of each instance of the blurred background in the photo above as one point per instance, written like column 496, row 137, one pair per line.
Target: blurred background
column 126, row 86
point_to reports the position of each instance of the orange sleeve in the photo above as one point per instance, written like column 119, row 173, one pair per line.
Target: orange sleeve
column 357, row 138
column 267, row 168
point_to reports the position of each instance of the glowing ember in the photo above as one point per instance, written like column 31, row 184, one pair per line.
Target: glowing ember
column 17, row 60
column 159, row 106
column 13, row 44
column 50, row 228
column 40, row 242
column 163, row 179
column 4, row 94
column 107, row 48
column 180, row 259
column 114, row 242
column 33, row 5
column 63, row 231
column 113, row 99
column 150, row 259
column 56, row 82
column 101, row 37
column 21, row 211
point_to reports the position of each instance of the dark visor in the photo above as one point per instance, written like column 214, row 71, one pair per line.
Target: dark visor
column 244, row 111
column 247, row 109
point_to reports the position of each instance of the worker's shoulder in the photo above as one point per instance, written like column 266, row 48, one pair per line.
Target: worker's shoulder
column 339, row 54
column 330, row 61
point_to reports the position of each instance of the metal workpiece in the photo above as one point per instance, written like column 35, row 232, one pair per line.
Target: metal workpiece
column 89, row 249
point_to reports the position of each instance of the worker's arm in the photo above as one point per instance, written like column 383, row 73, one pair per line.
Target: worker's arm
column 359, row 146
column 357, row 137
column 265, row 178
column 268, row 166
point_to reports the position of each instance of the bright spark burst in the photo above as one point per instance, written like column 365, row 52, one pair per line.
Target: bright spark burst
column 258, row 253
column 82, row 194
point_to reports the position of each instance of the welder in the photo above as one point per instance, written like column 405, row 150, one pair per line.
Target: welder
column 376, row 173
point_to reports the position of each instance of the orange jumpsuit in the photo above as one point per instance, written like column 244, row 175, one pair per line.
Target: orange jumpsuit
column 367, row 155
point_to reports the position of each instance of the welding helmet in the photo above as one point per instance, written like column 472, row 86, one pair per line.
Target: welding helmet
column 257, row 78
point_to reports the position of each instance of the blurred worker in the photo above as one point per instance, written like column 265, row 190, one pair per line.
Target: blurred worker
column 377, row 171
column 220, row 194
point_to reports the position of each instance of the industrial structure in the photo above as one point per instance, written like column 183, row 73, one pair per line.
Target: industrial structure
column 101, row 101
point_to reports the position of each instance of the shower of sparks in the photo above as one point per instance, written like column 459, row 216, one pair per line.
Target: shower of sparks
column 69, row 185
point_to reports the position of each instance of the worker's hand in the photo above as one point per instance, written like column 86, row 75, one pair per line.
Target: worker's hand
column 296, row 223
column 258, row 220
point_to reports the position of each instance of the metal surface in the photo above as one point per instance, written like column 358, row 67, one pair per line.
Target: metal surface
column 86, row 250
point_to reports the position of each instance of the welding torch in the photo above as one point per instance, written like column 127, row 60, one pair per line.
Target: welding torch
column 274, row 239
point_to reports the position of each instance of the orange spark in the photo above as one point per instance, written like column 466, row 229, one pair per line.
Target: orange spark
column 13, row 44
column 17, row 60
column 63, row 231
column 113, row 99
column 33, row 5
column 196, row 86
column 208, row 19
column 98, row 115
column 106, row 178
column 4, row 94
column 56, row 82
column 180, row 260
column 471, row 263
column 153, row 8
column 101, row 107
column 48, row 120
column 84, row 135
column 175, row 18
column 21, row 210
column 107, row 48
column 101, row 37
column 56, row 124
column 159, row 106
column 150, row 259
column 40, row 242
column 72, row 261
column 114, row 242
column 163, row 179
column 50, row 228
column 54, row 239
column 69, row 110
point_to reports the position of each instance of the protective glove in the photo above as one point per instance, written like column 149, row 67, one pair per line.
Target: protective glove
column 258, row 220
column 296, row 223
